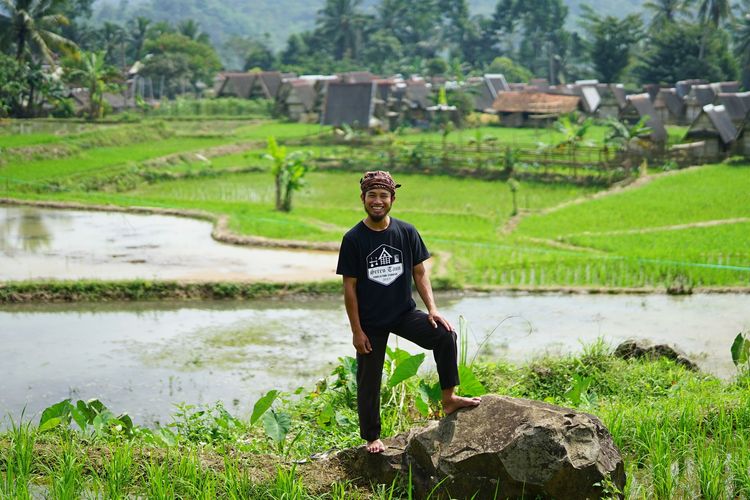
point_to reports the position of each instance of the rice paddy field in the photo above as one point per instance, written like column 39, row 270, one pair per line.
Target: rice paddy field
column 683, row 229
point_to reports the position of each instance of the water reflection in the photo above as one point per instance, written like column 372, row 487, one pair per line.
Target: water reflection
column 68, row 244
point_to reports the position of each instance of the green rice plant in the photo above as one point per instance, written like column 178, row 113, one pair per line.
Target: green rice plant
column 236, row 481
column 118, row 470
column 287, row 485
column 19, row 460
column 159, row 485
column 739, row 464
column 66, row 476
column 663, row 465
column 711, row 470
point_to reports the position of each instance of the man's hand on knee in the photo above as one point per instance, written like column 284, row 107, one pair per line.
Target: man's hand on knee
column 361, row 343
column 434, row 317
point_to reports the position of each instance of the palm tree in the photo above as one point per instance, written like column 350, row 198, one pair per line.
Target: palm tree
column 92, row 71
column 665, row 11
column 342, row 23
column 30, row 23
column 711, row 14
column 138, row 32
column 741, row 38
column 113, row 38
column 192, row 30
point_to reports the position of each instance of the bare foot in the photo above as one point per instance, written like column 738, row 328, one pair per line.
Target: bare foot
column 376, row 446
column 457, row 402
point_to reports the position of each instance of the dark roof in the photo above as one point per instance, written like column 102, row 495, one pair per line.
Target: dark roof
column 735, row 105
column 539, row 83
column 417, row 95
column 700, row 95
column 484, row 95
column 304, row 91
column 640, row 105
column 652, row 89
column 713, row 120
column 683, row 86
column 535, row 103
column 237, row 84
column 348, row 103
column 590, row 98
column 271, row 81
column 729, row 86
column 668, row 98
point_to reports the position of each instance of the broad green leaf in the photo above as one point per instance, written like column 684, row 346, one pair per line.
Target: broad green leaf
column 325, row 416
column 470, row 385
column 580, row 386
column 50, row 423
column 433, row 392
column 86, row 411
column 406, row 369
column 166, row 436
column 397, row 355
column 97, row 406
column 59, row 410
column 276, row 425
column 262, row 405
column 740, row 350
column 423, row 406
column 79, row 417
column 342, row 419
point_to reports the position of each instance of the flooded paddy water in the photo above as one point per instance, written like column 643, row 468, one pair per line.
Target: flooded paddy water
column 145, row 357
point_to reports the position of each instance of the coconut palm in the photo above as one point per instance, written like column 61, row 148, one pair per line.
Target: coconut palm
column 137, row 33
column 30, row 24
column 342, row 23
column 192, row 30
column 92, row 71
column 665, row 11
column 714, row 12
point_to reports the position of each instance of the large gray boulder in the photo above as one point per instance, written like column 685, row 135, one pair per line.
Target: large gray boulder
column 507, row 447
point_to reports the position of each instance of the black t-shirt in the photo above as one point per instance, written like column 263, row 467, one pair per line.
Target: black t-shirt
column 382, row 262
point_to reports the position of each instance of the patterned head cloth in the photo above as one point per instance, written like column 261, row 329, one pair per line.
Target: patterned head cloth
column 378, row 179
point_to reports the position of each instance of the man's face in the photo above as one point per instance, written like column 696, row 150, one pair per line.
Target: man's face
column 377, row 203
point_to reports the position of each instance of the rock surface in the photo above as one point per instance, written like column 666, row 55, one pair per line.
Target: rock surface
column 506, row 447
column 645, row 349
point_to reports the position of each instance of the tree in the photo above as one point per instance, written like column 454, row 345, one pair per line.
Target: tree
column 610, row 41
column 192, row 30
column 289, row 170
column 741, row 38
column 342, row 23
column 664, row 11
column 137, row 34
column 31, row 24
column 92, row 71
column 513, row 72
column 179, row 60
column 711, row 14
column 623, row 137
column 113, row 37
column 673, row 54
column 545, row 40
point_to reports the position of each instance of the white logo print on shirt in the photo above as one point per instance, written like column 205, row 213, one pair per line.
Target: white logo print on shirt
column 385, row 264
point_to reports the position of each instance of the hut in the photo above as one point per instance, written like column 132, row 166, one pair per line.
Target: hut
column 256, row 85
column 670, row 107
column 351, row 104
column 521, row 109
column 713, row 126
column 640, row 106
column 297, row 98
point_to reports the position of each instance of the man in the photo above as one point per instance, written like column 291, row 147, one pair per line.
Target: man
column 378, row 259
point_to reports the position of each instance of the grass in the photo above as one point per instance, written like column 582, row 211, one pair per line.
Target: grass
column 682, row 434
column 621, row 240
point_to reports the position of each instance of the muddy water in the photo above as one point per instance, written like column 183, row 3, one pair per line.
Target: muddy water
column 143, row 358
column 67, row 244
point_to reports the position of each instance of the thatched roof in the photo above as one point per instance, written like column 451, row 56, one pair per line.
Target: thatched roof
column 417, row 95
column 535, row 103
column 735, row 104
column 349, row 103
column 236, row 85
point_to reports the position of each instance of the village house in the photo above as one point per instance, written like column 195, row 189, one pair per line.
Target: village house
column 486, row 90
column 256, row 85
column 535, row 109
column 737, row 105
column 613, row 100
column 714, row 127
column 698, row 97
column 296, row 100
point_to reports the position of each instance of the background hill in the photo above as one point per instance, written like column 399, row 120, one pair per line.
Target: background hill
column 279, row 18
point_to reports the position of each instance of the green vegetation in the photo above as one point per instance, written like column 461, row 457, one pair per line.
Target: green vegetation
column 683, row 229
column 682, row 433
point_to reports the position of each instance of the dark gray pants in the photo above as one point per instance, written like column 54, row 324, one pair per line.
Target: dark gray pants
column 414, row 327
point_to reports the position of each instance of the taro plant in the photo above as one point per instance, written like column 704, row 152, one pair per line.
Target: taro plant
column 276, row 422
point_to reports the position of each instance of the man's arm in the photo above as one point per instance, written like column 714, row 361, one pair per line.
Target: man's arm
column 424, row 288
column 359, row 338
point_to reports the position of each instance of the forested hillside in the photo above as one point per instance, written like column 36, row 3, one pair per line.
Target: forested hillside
column 280, row 18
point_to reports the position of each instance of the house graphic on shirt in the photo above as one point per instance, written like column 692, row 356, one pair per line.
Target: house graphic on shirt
column 385, row 264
